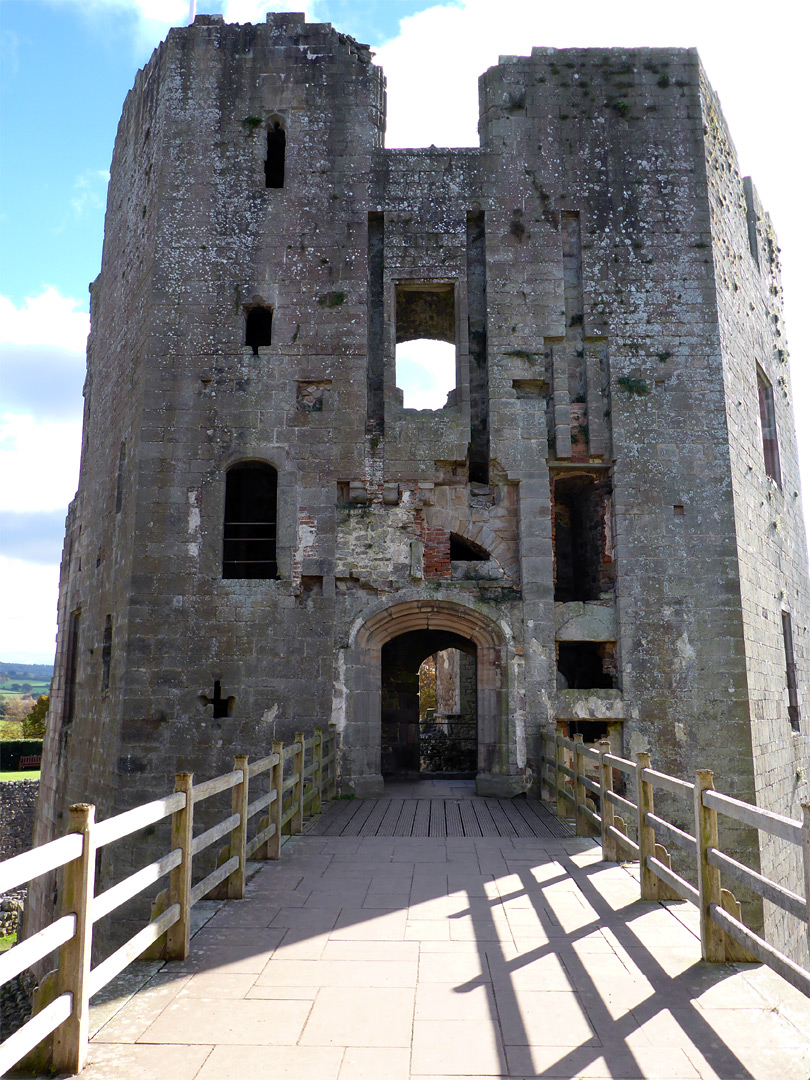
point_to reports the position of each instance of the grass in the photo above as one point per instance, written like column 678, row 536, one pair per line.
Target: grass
column 20, row 774
column 7, row 941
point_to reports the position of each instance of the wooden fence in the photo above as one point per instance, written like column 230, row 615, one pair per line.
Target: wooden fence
column 296, row 785
column 723, row 935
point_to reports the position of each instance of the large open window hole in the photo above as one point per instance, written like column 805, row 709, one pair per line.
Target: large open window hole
column 583, row 539
column 259, row 328
column 276, row 154
column 426, row 344
column 586, row 665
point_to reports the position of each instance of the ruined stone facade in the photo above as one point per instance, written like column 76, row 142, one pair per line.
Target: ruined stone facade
column 605, row 514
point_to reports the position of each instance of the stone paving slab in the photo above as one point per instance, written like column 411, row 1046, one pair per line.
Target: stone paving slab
column 527, row 958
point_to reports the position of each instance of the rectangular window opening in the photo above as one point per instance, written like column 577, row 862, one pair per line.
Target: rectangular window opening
column 582, row 538
column 586, row 665
column 426, row 344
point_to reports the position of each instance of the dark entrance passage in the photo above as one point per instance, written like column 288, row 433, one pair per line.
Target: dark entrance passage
column 428, row 706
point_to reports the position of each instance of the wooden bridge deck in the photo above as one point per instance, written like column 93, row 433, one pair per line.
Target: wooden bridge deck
column 438, row 808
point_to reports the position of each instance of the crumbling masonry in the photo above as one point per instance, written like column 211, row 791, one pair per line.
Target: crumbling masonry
column 605, row 514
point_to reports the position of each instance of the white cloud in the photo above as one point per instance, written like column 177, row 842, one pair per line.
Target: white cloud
column 47, row 319
column 39, row 462
column 29, row 603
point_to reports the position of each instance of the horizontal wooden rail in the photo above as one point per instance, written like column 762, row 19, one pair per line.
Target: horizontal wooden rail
column 619, row 800
column 216, row 832
column 262, row 765
column 623, row 838
column 668, row 783
column 675, row 881
column 676, row 836
column 32, row 1033
column 776, row 824
column 40, row 860
column 132, row 949
column 620, row 763
column 140, row 817
column 114, row 897
column 169, row 929
column 35, row 948
column 219, row 783
column 769, row 890
column 764, row 952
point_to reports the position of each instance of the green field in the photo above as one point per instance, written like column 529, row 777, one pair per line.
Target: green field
column 20, row 774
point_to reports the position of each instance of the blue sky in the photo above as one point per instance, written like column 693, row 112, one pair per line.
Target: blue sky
column 66, row 68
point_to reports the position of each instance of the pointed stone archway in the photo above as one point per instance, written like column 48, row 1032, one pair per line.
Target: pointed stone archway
column 361, row 700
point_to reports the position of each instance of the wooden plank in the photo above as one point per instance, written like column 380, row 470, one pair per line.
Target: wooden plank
column 34, row 1031
column 468, row 819
column 374, row 819
column 668, row 783
column 389, row 822
column 130, row 821
column 355, row 825
column 334, row 820
column 537, row 824
column 438, row 826
column 421, row 820
column 502, row 822
column 452, row 817
column 39, row 860
column 259, row 839
column 481, row 811
column 42, row 943
column 766, row 953
column 770, row 890
column 516, row 820
column 404, row 826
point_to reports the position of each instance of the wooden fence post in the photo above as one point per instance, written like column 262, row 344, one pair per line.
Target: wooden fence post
column 70, row 1038
column 806, row 860
column 178, row 935
column 559, row 777
column 297, row 820
column 583, row 825
column 609, row 848
column 275, row 810
column 317, row 778
column 646, row 833
column 239, row 805
column 712, row 942
column 331, row 789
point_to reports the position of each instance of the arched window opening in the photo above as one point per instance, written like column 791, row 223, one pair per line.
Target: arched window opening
column 276, row 152
column 463, row 550
column 249, row 545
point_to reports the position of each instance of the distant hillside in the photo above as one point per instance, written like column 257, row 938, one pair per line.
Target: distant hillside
column 25, row 671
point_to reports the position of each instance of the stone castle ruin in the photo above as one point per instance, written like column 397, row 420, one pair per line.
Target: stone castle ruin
column 604, row 518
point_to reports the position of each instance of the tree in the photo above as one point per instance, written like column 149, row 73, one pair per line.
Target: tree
column 17, row 708
column 34, row 723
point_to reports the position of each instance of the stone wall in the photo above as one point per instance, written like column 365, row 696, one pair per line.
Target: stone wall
column 18, row 803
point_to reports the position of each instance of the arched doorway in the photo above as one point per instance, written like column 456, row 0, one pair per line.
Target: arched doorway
column 359, row 700
column 428, row 707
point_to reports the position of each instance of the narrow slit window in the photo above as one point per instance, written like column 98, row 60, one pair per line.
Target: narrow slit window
column 259, row 328
column 71, row 665
column 249, row 543
column 276, row 154
column 106, row 653
column 790, row 666
column 767, row 423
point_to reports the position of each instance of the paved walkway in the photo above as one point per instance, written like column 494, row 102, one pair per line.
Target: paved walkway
column 400, row 958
